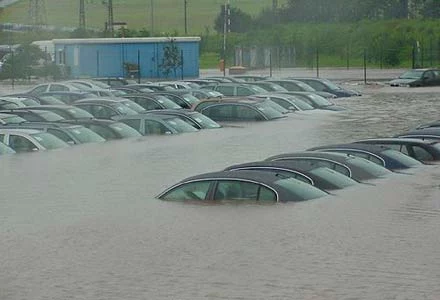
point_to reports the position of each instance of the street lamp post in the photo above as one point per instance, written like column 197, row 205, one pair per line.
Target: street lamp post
column 226, row 27
column 152, row 16
column 185, row 6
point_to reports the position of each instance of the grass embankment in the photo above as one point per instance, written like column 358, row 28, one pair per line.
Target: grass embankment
column 168, row 15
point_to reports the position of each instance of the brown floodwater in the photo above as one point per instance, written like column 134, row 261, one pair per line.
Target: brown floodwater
column 83, row 223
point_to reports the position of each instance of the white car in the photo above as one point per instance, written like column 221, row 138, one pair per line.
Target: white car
column 29, row 140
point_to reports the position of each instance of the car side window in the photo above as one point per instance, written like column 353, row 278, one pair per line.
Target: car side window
column 243, row 191
column 148, row 104
column 21, row 144
column 189, row 191
column 219, row 112
column 102, row 131
column 30, row 117
column 134, row 123
column 57, row 87
column 39, row 90
column 242, row 91
column 62, row 135
column 102, row 112
column 225, row 90
column 316, row 85
column 154, row 127
column 248, row 114
column 421, row 154
column 2, row 138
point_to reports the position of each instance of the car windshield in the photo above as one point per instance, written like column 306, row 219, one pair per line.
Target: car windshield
column 85, row 135
column 179, row 125
column 402, row 158
column 319, row 100
column 79, row 113
column 13, row 120
column 51, row 100
column 269, row 111
column 5, row 149
column 413, row 74
column 30, row 102
column 300, row 103
column 133, row 106
column 336, row 178
column 49, row 141
column 300, row 190
column 204, row 121
column 190, row 99
column 257, row 89
column 275, row 87
column 368, row 166
column 50, row 116
column 100, row 84
column 435, row 145
column 145, row 90
column 124, row 130
column 276, row 106
column 330, row 84
column 166, row 102
column 305, row 87
column 119, row 93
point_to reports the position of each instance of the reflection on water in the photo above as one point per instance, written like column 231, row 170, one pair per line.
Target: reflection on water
column 82, row 223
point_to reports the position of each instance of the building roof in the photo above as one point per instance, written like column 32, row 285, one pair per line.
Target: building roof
column 126, row 40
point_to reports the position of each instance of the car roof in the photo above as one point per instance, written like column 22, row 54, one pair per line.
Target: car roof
column 338, row 157
column 101, row 100
column 170, row 111
column 149, row 116
column 4, row 129
column 357, row 146
column 422, row 131
column 42, row 125
column 89, row 121
column 397, row 141
column 49, row 106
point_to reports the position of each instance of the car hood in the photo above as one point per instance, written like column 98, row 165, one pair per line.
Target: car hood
column 402, row 81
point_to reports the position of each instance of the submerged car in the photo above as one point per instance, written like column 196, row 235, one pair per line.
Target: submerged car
column 325, row 85
column 421, row 150
column 106, row 108
column 149, row 124
column 72, row 134
column 108, row 129
column 194, row 118
column 5, row 149
column 66, row 111
column 30, row 140
column 391, row 159
column 427, row 133
column 238, row 111
column 316, row 101
column 10, row 119
column 417, row 78
column 241, row 186
column 34, row 115
column 354, row 167
column 321, row 177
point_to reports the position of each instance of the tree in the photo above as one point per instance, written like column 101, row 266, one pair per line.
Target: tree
column 171, row 60
column 23, row 62
column 240, row 21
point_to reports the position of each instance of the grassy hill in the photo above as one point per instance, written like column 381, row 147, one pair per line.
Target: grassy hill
column 168, row 14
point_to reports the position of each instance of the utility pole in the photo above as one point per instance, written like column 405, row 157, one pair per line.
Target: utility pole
column 82, row 15
column 185, row 6
column 152, row 16
column 226, row 29
column 37, row 12
column 110, row 17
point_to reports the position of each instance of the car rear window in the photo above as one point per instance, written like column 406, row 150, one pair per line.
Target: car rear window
column 402, row 158
column 368, row 166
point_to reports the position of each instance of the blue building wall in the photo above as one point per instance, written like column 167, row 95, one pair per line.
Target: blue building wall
column 106, row 57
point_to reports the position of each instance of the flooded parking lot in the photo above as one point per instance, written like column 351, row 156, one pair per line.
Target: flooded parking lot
column 83, row 223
